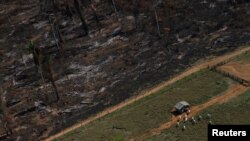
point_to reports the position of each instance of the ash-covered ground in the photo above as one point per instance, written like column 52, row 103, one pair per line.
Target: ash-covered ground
column 124, row 53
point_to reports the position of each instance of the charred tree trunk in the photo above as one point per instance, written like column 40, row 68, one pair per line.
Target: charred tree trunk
column 60, row 37
column 57, row 35
column 68, row 10
column 135, row 11
column 157, row 20
column 114, row 5
column 47, row 5
column 52, row 80
column 96, row 17
column 37, row 57
column 6, row 118
column 6, row 122
column 79, row 11
column 39, row 60
column 41, row 6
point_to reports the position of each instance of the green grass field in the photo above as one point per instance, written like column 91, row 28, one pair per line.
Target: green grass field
column 235, row 111
column 151, row 111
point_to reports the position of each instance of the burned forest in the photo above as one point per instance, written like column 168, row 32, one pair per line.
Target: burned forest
column 63, row 61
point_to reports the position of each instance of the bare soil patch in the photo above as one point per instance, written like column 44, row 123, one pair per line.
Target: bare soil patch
column 239, row 69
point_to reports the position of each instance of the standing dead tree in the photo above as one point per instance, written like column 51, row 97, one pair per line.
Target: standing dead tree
column 112, row 2
column 59, row 35
column 79, row 11
column 68, row 9
column 114, row 5
column 155, row 4
column 56, row 34
column 37, row 57
column 47, row 5
column 136, row 11
column 5, row 116
column 51, row 77
column 93, row 9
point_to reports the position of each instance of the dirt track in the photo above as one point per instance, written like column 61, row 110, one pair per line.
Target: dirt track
column 155, row 89
column 233, row 91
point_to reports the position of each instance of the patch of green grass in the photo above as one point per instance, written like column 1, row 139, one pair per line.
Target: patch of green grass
column 117, row 138
column 236, row 111
column 153, row 110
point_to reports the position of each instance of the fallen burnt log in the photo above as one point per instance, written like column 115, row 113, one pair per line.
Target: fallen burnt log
column 25, row 111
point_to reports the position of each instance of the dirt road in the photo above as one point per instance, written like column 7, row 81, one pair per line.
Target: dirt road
column 151, row 91
column 233, row 91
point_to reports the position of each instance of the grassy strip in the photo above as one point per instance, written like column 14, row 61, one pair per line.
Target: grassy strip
column 152, row 110
column 235, row 111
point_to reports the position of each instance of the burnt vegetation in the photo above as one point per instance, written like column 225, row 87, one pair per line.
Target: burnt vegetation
column 63, row 60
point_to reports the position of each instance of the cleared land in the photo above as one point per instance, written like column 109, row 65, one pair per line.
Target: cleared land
column 239, row 66
column 232, row 92
column 151, row 91
column 235, row 111
column 153, row 110
column 122, row 55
